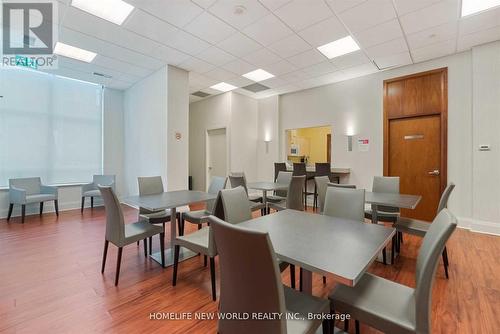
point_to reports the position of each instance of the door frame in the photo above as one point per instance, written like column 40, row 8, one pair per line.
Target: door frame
column 443, row 116
column 207, row 177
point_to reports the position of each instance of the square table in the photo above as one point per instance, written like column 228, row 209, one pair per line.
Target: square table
column 323, row 244
column 265, row 187
column 170, row 200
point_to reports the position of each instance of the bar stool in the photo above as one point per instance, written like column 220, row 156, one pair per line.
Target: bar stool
column 299, row 169
column 279, row 167
column 322, row 169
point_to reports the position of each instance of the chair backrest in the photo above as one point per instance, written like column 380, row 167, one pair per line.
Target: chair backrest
column 321, row 185
column 150, row 185
column 445, row 196
column 345, row 203
column 279, row 167
column 294, row 199
column 250, row 280
column 283, row 178
column 233, row 205
column 342, row 185
column 299, row 168
column 32, row 185
column 386, row 184
column 323, row 169
column 238, row 180
column 104, row 180
column 115, row 223
column 217, row 184
column 432, row 246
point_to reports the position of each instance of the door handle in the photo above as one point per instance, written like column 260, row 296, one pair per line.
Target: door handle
column 209, row 168
column 434, row 172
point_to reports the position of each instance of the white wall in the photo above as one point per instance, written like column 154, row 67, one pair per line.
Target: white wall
column 268, row 129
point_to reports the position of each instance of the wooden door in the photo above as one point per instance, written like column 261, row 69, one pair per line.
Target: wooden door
column 329, row 148
column 414, row 155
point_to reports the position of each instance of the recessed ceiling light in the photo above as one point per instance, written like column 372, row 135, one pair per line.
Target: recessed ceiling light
column 223, row 87
column 258, row 75
column 74, row 52
column 339, row 47
column 115, row 11
column 474, row 6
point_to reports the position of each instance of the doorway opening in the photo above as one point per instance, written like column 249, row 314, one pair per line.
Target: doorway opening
column 216, row 154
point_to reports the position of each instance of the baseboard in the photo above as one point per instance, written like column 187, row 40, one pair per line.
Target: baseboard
column 479, row 226
column 48, row 207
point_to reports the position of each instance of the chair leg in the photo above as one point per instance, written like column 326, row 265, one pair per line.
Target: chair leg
column 292, row 276
column 324, row 279
column 162, row 248
column 104, row 255
column 212, row 278
column 401, row 237
column 11, row 206
column 393, row 248
column 300, row 279
column 150, row 245
column 176, row 263
column 199, row 226
column 384, row 255
column 56, row 206
column 145, row 242
column 356, row 325
column 23, row 212
column 204, row 260
column 445, row 262
column 118, row 264
column 346, row 325
column 325, row 325
column 83, row 204
column 91, row 202
column 41, row 208
column 180, row 225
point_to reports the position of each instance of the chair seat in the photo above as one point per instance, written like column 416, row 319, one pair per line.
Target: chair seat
column 196, row 217
column 92, row 193
column 275, row 198
column 379, row 303
column 412, row 226
column 196, row 241
column 254, row 206
column 278, row 206
column 303, row 304
column 162, row 215
column 40, row 198
column 382, row 216
column 255, row 198
column 139, row 231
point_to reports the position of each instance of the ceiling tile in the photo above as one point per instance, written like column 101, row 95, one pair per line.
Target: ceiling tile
column 320, row 69
column 481, row 21
column 239, row 81
column 220, row 74
column 435, row 50
column 274, row 82
column 299, row 14
column 379, row 34
column 204, row 3
column 324, row 32
column 465, row 42
column 341, row 5
column 388, row 48
column 432, row 35
column 239, row 45
column 350, row 60
column 307, row 58
column 196, row 65
column 187, row 43
column 169, row 55
column 293, row 77
column 267, row 30
column 407, row 6
column 215, row 56
column 274, row 4
column 211, row 29
column 358, row 71
column 121, row 66
column 368, row 14
column 289, row 46
column 280, row 68
column 239, row 67
column 149, row 26
column 226, row 11
column 437, row 14
column 262, row 57
column 177, row 12
column 393, row 60
column 201, row 80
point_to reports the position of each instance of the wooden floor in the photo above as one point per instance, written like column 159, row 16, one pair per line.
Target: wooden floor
column 50, row 282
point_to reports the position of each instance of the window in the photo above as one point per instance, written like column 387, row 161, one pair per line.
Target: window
column 50, row 126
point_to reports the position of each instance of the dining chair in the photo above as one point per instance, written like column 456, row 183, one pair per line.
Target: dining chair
column 30, row 190
column 251, row 282
column 391, row 307
column 321, row 184
column 121, row 234
column 279, row 167
column 345, row 203
column 293, row 197
column 299, row 169
column 91, row 190
column 237, row 179
column 321, row 169
column 280, row 195
column 419, row 228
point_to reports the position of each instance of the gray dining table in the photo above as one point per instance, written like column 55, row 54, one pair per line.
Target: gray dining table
column 265, row 187
column 329, row 246
column 170, row 200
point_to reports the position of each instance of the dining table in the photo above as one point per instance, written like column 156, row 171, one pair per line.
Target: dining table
column 330, row 246
column 265, row 187
column 170, row 200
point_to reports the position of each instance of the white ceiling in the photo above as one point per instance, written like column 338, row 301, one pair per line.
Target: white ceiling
column 208, row 39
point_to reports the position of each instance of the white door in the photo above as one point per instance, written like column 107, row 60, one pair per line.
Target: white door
column 216, row 154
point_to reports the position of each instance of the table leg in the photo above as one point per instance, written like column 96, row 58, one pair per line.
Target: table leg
column 306, row 280
column 264, row 200
column 388, row 249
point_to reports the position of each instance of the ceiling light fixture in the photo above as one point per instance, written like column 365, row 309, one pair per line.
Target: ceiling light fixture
column 470, row 7
column 223, row 87
column 258, row 75
column 339, row 47
column 115, row 11
column 74, row 52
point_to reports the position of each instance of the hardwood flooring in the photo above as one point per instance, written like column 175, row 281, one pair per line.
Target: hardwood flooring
column 50, row 281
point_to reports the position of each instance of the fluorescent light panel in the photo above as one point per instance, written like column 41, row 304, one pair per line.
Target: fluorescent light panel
column 74, row 52
column 115, row 11
column 474, row 6
column 258, row 75
column 223, row 87
column 339, row 47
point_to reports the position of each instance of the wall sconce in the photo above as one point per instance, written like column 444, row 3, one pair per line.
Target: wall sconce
column 267, row 140
column 349, row 134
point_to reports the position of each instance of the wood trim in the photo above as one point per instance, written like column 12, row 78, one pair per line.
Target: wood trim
column 443, row 115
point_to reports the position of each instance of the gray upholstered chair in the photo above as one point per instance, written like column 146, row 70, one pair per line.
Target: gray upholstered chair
column 294, row 199
column 321, row 169
column 238, row 179
column 278, row 167
column 391, row 307
column 300, row 169
column 121, row 234
column 29, row 190
column 251, row 282
column 91, row 190
column 345, row 203
column 419, row 228
column 321, row 184
column 280, row 195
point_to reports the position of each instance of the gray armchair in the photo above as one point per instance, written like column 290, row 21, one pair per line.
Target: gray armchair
column 91, row 190
column 30, row 190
